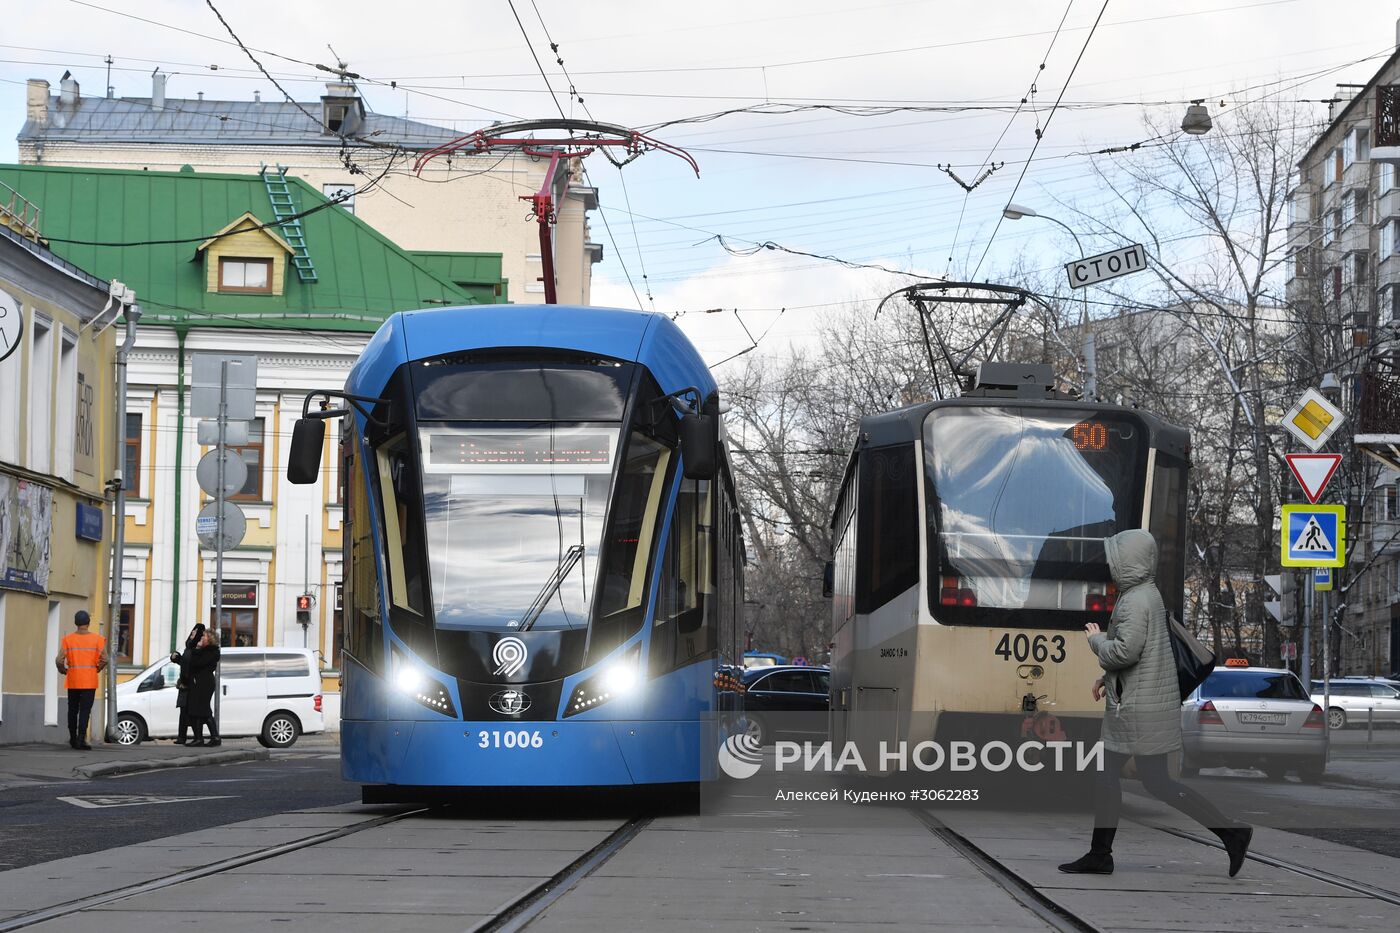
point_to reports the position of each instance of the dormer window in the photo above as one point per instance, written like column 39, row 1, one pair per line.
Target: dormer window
column 335, row 117
column 245, row 275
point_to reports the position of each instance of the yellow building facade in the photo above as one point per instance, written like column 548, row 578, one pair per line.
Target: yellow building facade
column 56, row 453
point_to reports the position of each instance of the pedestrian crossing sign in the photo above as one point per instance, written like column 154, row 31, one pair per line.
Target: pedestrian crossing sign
column 1313, row 536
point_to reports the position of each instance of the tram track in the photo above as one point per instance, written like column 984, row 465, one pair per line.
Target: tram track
column 516, row 915
column 1307, row 871
column 68, row 908
column 1048, row 911
column 525, row 909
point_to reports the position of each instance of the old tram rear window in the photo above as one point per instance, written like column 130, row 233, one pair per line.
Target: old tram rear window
column 1019, row 502
column 523, row 386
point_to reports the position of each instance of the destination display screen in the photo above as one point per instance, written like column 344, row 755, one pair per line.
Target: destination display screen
column 520, row 449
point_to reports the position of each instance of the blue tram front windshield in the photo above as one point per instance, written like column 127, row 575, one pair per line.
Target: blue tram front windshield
column 514, row 520
column 1019, row 502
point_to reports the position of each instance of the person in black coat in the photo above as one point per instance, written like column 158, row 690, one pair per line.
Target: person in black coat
column 183, row 684
column 199, row 699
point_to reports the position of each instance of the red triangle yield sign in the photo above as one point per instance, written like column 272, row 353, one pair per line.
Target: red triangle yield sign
column 1313, row 471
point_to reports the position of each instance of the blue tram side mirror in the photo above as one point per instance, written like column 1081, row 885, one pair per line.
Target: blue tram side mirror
column 304, row 459
column 699, row 435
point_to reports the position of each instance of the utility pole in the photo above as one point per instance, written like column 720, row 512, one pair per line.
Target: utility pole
column 118, row 485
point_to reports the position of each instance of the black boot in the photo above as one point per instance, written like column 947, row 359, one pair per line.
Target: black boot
column 1236, row 839
column 73, row 738
column 1099, row 860
column 83, row 744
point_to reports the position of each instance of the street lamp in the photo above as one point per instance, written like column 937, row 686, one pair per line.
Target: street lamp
column 1330, row 386
column 1014, row 211
column 1197, row 119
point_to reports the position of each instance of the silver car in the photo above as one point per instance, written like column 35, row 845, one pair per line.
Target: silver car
column 1353, row 696
column 1248, row 717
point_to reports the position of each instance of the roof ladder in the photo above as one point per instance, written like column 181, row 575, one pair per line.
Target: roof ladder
column 279, row 194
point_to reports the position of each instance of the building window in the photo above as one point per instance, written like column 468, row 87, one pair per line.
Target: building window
column 245, row 275
column 124, row 633
column 1387, row 176
column 40, row 395
column 1387, row 240
column 1330, row 164
column 1388, row 503
column 1335, row 274
column 1355, row 148
column 337, row 625
column 252, row 454
column 131, row 470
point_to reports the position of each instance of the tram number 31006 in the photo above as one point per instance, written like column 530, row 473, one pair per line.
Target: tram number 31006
column 1025, row 648
column 490, row 738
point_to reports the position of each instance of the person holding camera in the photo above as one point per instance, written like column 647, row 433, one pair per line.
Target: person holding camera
column 199, row 697
column 183, row 683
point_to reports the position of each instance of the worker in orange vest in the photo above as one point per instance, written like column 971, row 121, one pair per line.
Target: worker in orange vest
column 82, row 655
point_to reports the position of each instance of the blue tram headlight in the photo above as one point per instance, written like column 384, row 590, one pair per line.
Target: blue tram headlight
column 411, row 680
column 617, row 679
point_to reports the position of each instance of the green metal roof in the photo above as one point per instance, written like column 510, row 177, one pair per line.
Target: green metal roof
column 478, row 274
column 363, row 276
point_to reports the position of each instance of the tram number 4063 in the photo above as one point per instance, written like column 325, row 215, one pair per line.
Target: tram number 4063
column 490, row 738
column 1025, row 648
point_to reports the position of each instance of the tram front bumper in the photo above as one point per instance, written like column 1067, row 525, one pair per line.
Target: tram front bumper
column 526, row 754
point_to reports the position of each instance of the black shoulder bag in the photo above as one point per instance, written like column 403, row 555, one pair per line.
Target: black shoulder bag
column 1194, row 661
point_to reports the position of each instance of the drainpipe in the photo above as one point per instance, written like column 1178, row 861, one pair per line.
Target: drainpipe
column 181, row 332
column 119, row 482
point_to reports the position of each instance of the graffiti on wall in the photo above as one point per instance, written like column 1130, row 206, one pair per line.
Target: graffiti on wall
column 26, row 520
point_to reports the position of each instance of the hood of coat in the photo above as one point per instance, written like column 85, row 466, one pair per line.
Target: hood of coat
column 1132, row 558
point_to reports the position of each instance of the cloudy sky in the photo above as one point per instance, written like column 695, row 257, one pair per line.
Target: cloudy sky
column 862, row 186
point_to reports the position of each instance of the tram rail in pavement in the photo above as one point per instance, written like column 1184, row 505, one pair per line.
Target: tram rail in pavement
column 760, row 869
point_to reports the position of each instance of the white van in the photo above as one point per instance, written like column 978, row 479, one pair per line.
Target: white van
column 272, row 693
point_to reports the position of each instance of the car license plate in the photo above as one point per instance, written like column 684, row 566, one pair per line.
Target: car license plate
column 1264, row 719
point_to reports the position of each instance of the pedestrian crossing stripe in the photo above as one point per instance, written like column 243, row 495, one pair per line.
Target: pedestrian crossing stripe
column 1313, row 536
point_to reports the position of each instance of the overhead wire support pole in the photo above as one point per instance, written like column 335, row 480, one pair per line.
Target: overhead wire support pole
column 119, row 482
column 521, row 137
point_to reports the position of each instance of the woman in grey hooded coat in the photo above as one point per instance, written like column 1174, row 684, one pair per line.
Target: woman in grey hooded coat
column 1143, row 717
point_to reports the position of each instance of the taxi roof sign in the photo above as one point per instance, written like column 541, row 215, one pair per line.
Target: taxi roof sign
column 1313, row 419
column 1237, row 662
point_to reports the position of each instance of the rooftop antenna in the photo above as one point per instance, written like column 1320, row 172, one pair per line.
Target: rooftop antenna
column 109, row 61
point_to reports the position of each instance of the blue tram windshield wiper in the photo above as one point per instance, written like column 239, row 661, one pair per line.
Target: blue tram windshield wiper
column 572, row 556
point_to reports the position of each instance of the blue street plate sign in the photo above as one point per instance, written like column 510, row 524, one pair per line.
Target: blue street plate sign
column 1322, row 579
column 1313, row 536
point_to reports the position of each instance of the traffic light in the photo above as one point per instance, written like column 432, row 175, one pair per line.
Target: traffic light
column 304, row 610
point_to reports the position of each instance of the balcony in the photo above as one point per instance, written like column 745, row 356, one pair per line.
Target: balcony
column 1355, row 238
column 1388, row 272
column 1378, row 415
column 1385, row 135
column 1388, row 206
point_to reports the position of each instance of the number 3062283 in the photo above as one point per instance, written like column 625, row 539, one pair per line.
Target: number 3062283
column 1023, row 647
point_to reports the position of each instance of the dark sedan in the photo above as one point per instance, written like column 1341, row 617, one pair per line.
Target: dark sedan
column 787, row 702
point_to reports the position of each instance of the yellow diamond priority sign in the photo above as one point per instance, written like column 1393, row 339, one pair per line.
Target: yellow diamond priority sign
column 1313, row 419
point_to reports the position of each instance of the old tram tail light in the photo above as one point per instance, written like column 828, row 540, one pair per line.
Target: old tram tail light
column 1101, row 600
column 955, row 592
column 1314, row 720
column 1208, row 716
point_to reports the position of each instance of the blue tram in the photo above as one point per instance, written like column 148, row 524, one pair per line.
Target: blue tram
column 543, row 558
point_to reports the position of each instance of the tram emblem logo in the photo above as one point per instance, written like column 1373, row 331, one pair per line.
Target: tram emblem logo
column 509, row 656
column 741, row 756
column 510, row 702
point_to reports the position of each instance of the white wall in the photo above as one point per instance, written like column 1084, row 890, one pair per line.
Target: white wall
column 51, row 684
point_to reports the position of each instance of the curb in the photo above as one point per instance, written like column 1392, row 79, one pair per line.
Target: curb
column 108, row 768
